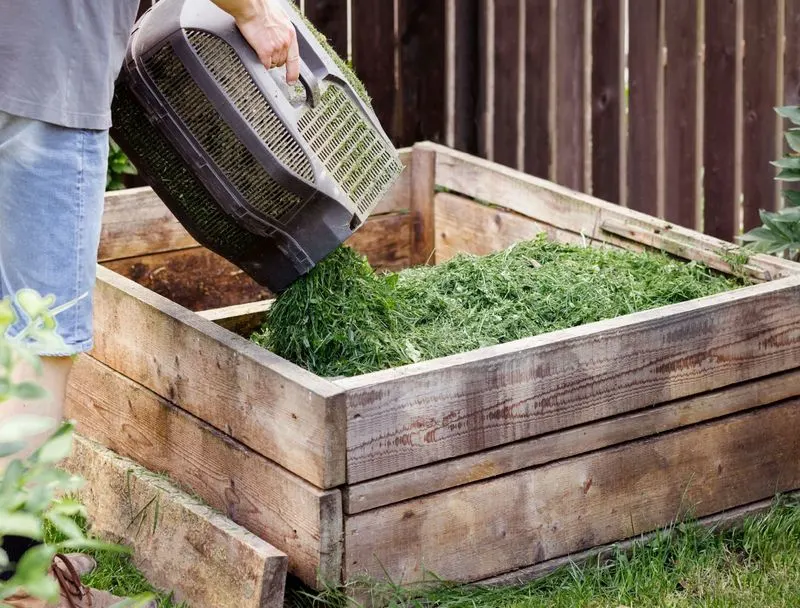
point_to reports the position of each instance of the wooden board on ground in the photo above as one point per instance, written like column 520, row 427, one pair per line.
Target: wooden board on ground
column 181, row 545
column 279, row 507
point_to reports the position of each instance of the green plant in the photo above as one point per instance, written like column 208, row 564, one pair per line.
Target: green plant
column 118, row 167
column 33, row 490
column 779, row 233
column 344, row 319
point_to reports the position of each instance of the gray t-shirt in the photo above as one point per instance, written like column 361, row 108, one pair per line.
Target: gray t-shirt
column 59, row 58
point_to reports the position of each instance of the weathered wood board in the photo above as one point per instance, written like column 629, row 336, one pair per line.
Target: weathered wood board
column 180, row 544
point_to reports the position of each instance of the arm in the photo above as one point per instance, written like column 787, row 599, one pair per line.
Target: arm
column 267, row 28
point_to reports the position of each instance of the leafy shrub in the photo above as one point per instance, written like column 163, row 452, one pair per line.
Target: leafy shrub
column 33, row 489
column 779, row 233
column 118, row 167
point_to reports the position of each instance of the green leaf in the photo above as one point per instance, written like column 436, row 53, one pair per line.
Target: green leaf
column 788, row 162
column 793, row 139
column 9, row 448
column 57, row 447
column 24, row 426
column 792, row 197
column 32, row 573
column 790, row 112
column 20, row 524
column 7, row 314
column 66, row 526
column 68, row 507
column 28, row 390
column 788, row 175
column 92, row 544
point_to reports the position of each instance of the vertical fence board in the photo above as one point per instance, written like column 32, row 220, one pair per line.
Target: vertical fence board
column 330, row 18
column 467, row 76
column 506, row 80
column 760, row 85
column 537, row 87
column 607, row 98
column 720, row 122
column 681, row 169
column 422, row 71
column 374, row 56
column 570, row 116
column 644, row 64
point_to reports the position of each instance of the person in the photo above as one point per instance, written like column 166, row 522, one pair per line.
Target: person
column 58, row 63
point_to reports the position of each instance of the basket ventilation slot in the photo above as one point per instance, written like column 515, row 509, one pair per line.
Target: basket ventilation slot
column 350, row 149
column 216, row 138
column 224, row 64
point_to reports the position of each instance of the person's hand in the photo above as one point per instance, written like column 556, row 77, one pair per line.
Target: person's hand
column 267, row 29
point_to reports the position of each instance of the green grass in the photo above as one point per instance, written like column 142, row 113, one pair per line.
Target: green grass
column 755, row 565
column 344, row 319
column 116, row 573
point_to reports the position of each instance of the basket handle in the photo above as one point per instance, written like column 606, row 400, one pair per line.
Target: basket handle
column 310, row 83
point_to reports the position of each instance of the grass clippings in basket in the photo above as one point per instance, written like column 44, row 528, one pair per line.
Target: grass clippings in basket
column 345, row 319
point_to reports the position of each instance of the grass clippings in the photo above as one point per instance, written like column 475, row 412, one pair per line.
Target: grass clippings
column 345, row 319
column 756, row 564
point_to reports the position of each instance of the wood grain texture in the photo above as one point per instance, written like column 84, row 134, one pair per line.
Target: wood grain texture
column 570, row 109
column 330, row 18
column 136, row 222
column 418, row 414
column 571, row 442
column 681, row 172
column 722, row 173
column 423, row 182
column 289, row 513
column 491, row 527
column 277, row 409
column 195, row 278
column 760, row 88
column 374, row 49
column 466, row 226
column 645, row 151
column 422, row 90
column 723, row 520
column 507, row 74
column 241, row 319
column 607, row 98
column 538, row 139
column 178, row 543
column 564, row 208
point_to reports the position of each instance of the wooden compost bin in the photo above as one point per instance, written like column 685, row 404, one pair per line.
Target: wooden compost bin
column 470, row 466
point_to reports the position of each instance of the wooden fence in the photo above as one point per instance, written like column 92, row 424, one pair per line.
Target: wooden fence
column 665, row 106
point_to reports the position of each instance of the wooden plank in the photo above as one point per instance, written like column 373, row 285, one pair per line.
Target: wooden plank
column 374, row 48
column 571, row 442
column 423, row 181
column 496, row 526
column 286, row 511
column 565, row 208
column 178, row 543
column 330, row 18
column 722, row 173
column 199, row 279
column 466, row 78
column 662, row 241
column 645, row 148
column 507, row 74
column 241, row 319
column 136, row 222
column 408, row 417
column 275, row 408
column 195, row 278
column 607, row 99
column 422, row 90
column 569, row 111
column 537, row 134
column 466, row 226
column 724, row 520
column 682, row 167
column 760, row 87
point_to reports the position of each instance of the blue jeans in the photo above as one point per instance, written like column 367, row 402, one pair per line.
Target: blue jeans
column 52, row 184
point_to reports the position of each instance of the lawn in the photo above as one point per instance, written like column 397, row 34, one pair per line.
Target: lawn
column 755, row 564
